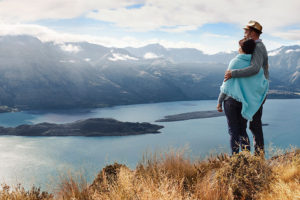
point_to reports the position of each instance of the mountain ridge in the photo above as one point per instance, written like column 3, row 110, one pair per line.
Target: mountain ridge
column 46, row 75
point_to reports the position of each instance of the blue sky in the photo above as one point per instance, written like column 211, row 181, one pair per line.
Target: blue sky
column 211, row 26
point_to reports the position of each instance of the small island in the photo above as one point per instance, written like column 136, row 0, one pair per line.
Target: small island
column 89, row 127
column 4, row 109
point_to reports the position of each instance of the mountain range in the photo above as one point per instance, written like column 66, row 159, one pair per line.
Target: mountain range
column 48, row 75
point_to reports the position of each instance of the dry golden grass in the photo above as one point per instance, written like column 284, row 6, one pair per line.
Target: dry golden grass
column 19, row 193
column 286, row 168
column 172, row 176
column 72, row 187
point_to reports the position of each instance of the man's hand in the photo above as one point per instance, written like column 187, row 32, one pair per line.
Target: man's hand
column 227, row 75
column 219, row 108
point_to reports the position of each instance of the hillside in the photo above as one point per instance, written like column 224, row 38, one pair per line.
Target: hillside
column 172, row 176
column 37, row 75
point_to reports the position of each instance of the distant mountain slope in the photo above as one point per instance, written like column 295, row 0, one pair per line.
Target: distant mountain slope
column 49, row 75
column 285, row 63
column 179, row 55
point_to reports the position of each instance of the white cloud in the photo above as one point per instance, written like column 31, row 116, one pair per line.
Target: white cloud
column 273, row 45
column 179, row 29
column 292, row 50
column 70, row 48
column 166, row 15
column 212, row 35
column 289, row 34
column 32, row 10
column 117, row 56
column 210, row 47
column 48, row 35
column 274, row 52
column 172, row 16
column 142, row 73
column 150, row 55
column 157, row 14
column 67, row 61
column 207, row 44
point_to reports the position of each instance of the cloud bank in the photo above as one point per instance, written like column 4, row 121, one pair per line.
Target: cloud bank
column 167, row 15
column 279, row 19
column 48, row 35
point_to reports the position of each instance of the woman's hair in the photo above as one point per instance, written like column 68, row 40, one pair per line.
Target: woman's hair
column 247, row 45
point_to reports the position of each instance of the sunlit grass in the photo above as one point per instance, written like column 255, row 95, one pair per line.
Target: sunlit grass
column 172, row 175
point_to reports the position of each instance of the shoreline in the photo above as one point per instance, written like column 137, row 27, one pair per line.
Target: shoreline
column 7, row 109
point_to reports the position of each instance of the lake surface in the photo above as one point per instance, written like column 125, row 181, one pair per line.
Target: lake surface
column 39, row 160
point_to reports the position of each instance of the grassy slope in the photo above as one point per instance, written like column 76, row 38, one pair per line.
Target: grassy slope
column 172, row 176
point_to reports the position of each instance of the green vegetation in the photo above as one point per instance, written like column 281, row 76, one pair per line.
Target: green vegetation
column 172, row 175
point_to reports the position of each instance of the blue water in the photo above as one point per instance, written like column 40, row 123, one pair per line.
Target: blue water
column 39, row 160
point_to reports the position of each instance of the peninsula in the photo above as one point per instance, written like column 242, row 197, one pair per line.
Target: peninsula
column 88, row 127
column 191, row 115
column 194, row 115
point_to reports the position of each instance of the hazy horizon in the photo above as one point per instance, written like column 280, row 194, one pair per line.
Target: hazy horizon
column 209, row 26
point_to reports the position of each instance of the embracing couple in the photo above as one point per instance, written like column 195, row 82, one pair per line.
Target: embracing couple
column 244, row 91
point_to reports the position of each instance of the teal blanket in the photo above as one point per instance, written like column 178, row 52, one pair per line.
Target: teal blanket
column 250, row 91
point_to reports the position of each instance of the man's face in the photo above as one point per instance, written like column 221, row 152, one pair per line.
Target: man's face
column 247, row 34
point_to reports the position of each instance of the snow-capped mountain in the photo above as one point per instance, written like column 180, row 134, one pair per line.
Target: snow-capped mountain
column 34, row 74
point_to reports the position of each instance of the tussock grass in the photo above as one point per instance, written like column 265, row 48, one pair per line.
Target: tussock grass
column 72, row 186
column 19, row 193
column 173, row 176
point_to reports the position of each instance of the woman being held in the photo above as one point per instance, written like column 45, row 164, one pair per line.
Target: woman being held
column 242, row 97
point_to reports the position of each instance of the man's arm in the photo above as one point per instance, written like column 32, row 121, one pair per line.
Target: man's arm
column 256, row 64
column 221, row 98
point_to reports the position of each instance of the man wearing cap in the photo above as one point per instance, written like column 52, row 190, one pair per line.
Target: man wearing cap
column 259, row 59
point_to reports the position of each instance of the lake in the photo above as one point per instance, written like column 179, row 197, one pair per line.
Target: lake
column 39, row 160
